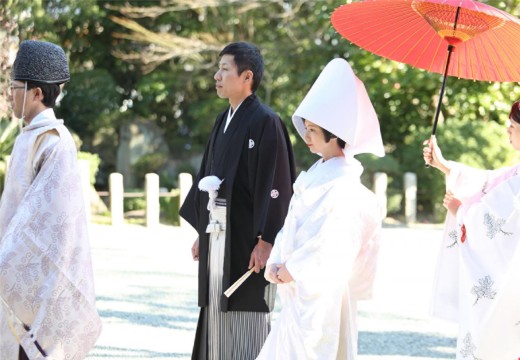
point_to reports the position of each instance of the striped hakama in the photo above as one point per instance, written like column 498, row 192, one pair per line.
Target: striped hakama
column 232, row 335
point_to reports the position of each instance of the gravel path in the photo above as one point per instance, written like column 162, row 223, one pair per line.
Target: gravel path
column 146, row 288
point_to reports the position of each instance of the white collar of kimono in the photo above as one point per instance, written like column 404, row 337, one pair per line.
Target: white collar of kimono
column 230, row 115
column 348, row 163
column 339, row 103
column 44, row 118
column 323, row 172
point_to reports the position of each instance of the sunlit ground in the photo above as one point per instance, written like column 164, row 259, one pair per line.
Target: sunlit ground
column 146, row 287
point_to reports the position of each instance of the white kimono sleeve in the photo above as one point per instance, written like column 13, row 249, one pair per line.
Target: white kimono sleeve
column 274, row 257
column 324, row 260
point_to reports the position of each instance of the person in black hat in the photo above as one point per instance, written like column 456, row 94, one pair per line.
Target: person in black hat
column 38, row 71
column 47, row 300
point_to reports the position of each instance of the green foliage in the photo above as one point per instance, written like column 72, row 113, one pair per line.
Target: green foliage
column 163, row 76
column 8, row 131
column 90, row 103
column 149, row 163
column 394, row 206
column 391, row 167
column 169, row 206
column 475, row 143
column 170, row 210
column 134, row 203
column 373, row 164
column 94, row 161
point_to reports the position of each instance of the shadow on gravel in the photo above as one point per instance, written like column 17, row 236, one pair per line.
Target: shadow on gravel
column 406, row 344
column 110, row 352
column 178, row 322
column 152, row 308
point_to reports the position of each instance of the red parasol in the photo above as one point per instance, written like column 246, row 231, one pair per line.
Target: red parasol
column 482, row 42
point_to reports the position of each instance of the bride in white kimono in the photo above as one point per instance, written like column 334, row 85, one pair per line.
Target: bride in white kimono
column 324, row 258
column 478, row 276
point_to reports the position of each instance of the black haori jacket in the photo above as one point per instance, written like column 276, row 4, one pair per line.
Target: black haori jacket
column 257, row 164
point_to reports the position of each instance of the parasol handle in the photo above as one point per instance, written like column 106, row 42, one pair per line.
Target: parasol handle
column 450, row 50
column 441, row 95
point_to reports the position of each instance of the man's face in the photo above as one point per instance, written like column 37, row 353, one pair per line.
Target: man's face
column 16, row 92
column 229, row 83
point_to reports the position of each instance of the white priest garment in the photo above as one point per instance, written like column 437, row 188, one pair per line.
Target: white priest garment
column 329, row 244
column 478, row 276
column 46, row 281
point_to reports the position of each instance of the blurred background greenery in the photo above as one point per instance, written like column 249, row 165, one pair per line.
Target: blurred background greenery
column 149, row 65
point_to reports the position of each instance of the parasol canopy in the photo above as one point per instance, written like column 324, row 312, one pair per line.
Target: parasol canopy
column 462, row 38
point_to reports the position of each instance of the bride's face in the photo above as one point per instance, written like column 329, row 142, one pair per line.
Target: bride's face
column 315, row 140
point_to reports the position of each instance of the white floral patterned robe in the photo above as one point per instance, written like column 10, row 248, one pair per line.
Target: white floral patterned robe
column 46, row 279
column 478, row 276
column 329, row 244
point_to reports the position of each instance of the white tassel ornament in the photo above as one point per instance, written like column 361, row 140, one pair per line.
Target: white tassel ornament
column 210, row 184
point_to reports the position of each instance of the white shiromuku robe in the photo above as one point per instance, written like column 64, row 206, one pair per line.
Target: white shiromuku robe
column 329, row 244
column 46, row 279
column 478, row 277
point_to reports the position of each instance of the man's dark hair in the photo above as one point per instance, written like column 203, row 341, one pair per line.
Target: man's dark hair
column 329, row 135
column 247, row 57
column 50, row 92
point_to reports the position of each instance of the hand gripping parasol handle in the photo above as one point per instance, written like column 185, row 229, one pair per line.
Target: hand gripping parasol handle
column 438, row 111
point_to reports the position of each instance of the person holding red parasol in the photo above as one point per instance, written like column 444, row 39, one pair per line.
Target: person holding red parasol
column 478, row 277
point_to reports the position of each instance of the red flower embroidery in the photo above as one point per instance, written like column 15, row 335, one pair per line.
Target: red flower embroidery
column 463, row 236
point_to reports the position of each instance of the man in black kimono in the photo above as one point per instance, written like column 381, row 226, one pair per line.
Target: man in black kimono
column 249, row 150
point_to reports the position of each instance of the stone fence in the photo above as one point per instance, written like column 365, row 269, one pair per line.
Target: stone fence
column 152, row 194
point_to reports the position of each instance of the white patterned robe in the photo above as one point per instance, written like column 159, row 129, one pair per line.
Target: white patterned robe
column 329, row 244
column 46, row 279
column 478, row 277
